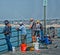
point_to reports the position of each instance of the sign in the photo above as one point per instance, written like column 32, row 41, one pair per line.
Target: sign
column 44, row 2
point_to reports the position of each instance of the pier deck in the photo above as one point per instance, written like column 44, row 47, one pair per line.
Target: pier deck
column 53, row 49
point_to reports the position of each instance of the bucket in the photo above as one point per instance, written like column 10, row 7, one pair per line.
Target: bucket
column 36, row 45
column 13, row 49
column 23, row 47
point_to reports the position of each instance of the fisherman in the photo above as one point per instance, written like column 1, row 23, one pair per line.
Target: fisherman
column 33, row 26
column 22, row 28
column 39, row 30
column 7, row 33
column 47, row 40
column 38, row 25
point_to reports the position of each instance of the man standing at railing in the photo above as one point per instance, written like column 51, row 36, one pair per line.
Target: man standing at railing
column 22, row 28
column 32, row 26
column 7, row 33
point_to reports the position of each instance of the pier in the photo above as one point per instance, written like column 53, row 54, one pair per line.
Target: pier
column 53, row 49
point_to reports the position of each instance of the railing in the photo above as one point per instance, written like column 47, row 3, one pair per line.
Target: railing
column 15, row 40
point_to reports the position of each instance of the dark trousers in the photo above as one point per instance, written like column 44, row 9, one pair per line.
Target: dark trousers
column 7, row 37
column 23, row 38
column 35, row 32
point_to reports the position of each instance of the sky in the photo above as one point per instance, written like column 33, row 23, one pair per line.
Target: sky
column 26, row 9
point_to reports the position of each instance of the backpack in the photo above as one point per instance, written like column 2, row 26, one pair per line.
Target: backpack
column 33, row 25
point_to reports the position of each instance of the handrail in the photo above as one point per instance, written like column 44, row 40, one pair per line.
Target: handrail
column 18, row 40
column 17, row 36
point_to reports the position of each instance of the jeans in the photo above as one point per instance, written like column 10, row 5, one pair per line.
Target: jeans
column 7, row 37
column 41, row 35
column 37, row 32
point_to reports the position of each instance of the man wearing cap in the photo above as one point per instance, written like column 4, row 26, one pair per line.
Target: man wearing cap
column 7, row 33
column 22, row 28
column 32, row 26
column 39, row 30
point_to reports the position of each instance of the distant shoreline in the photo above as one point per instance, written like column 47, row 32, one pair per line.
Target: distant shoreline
column 53, row 25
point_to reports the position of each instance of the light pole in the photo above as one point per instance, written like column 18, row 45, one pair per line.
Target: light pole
column 44, row 5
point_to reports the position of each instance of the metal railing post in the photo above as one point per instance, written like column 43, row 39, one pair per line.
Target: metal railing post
column 18, row 37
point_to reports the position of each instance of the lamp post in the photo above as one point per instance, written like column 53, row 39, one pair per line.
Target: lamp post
column 44, row 5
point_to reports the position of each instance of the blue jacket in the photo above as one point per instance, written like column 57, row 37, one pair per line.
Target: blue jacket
column 7, row 30
column 23, row 30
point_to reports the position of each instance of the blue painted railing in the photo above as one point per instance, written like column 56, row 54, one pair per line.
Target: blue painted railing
column 15, row 39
